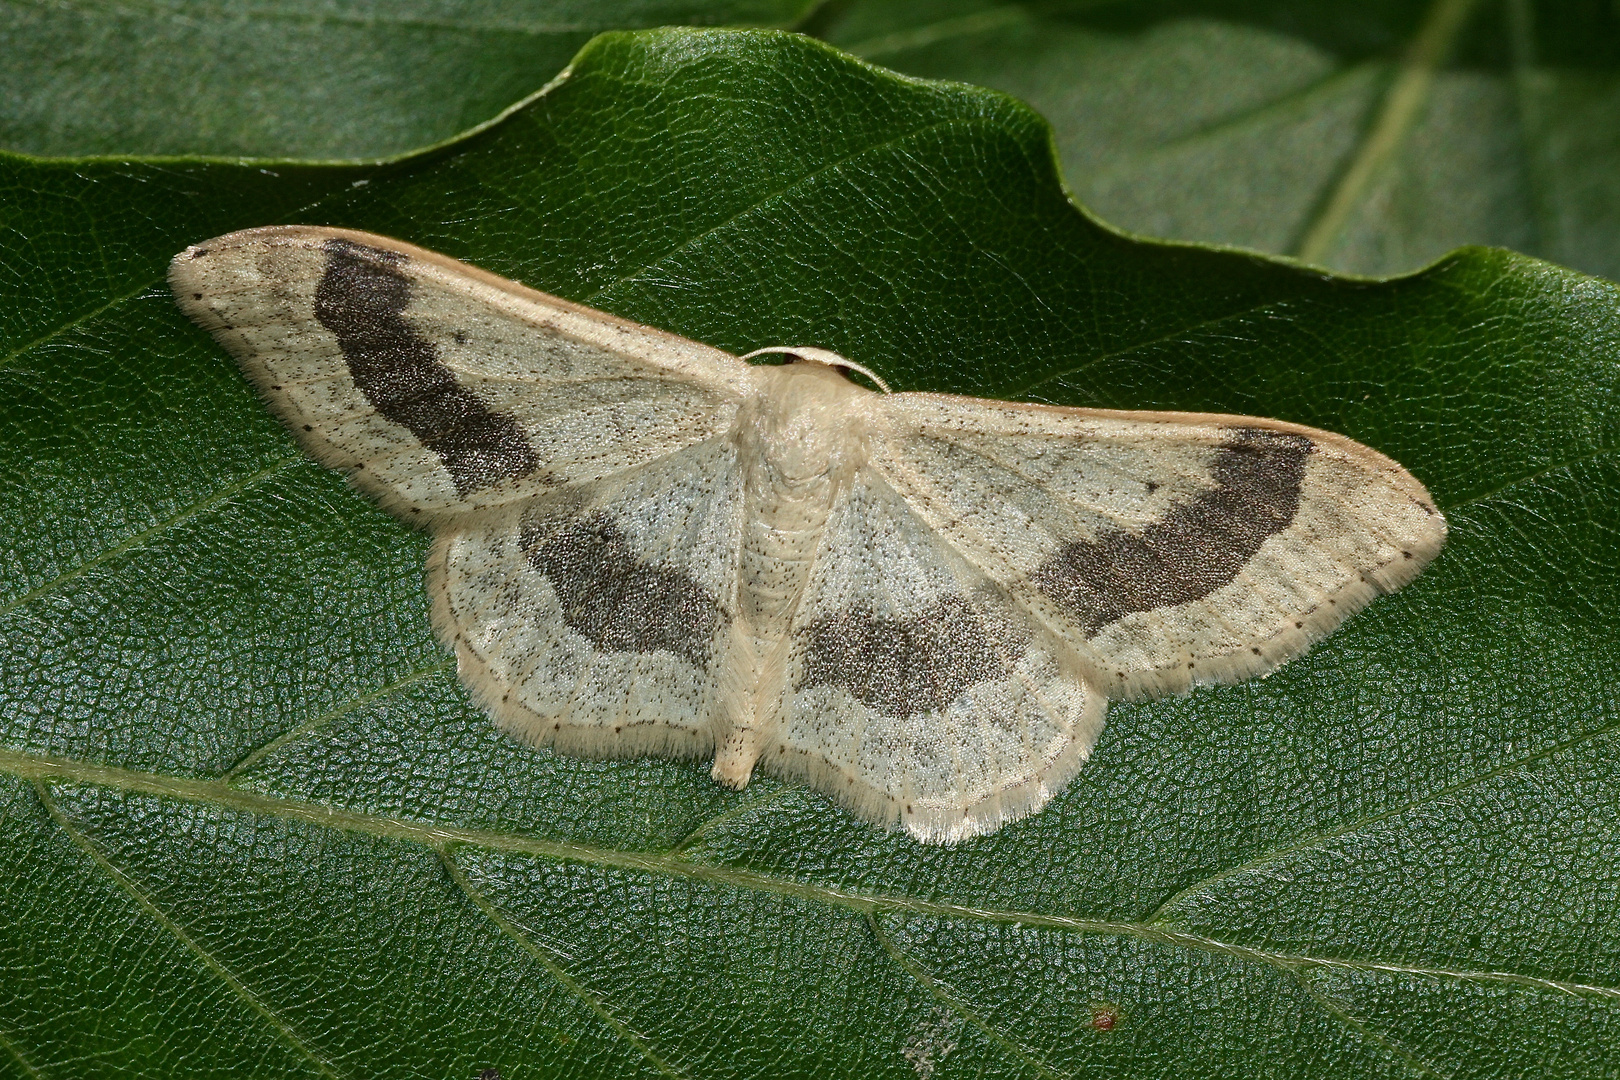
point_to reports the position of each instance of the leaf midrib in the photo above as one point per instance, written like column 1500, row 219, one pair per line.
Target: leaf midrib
column 442, row 838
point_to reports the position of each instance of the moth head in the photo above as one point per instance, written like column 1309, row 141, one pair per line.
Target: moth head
column 812, row 355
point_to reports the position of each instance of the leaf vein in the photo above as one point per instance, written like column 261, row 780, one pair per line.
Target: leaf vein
column 763, row 201
column 919, row 37
column 17, row 1055
column 1359, row 1026
column 1292, row 101
column 35, row 767
column 516, row 932
column 1562, row 465
column 128, row 8
column 1401, row 109
column 314, row 723
column 207, row 959
column 948, row 997
column 78, row 320
column 1091, row 362
column 141, row 538
column 1317, row 839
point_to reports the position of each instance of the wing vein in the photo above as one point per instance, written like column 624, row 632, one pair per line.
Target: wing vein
column 1063, row 634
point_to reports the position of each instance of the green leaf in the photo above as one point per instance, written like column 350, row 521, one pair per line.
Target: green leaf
column 1370, row 137
column 254, row 827
column 297, row 78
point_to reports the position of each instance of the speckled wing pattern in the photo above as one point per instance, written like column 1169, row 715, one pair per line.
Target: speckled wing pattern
column 917, row 603
column 1167, row 548
column 441, row 388
column 919, row 687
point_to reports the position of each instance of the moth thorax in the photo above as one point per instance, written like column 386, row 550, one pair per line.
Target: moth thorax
column 802, row 428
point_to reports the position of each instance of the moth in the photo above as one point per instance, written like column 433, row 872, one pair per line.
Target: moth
column 917, row 603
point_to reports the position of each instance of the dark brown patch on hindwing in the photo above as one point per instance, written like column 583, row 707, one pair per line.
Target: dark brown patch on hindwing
column 615, row 601
column 1199, row 545
column 903, row 667
column 361, row 299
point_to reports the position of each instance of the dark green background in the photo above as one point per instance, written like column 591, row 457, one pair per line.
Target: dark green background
column 1241, row 121
column 255, row 828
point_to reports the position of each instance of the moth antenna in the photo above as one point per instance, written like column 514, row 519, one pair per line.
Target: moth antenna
column 821, row 356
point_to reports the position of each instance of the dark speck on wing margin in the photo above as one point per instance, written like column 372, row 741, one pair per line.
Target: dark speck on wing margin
column 1196, row 548
column 615, row 601
column 361, row 299
column 903, row 667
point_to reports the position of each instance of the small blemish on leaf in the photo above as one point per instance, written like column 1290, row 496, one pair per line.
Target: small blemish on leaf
column 930, row 1042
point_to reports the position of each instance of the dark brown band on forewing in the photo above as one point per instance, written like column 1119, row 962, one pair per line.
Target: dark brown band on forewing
column 361, row 299
column 615, row 601
column 903, row 667
column 1196, row 548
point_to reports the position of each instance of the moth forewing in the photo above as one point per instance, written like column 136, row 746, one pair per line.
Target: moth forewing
column 916, row 603
column 1168, row 548
column 440, row 387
